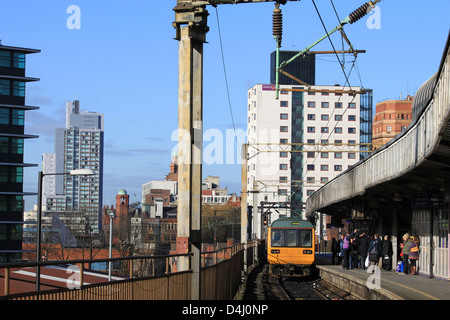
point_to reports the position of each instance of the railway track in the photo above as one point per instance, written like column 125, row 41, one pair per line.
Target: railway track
column 261, row 285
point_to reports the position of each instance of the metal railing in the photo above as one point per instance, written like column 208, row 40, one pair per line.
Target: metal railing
column 143, row 277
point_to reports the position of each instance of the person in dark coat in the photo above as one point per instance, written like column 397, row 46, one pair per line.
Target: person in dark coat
column 363, row 248
column 334, row 251
column 387, row 254
column 375, row 250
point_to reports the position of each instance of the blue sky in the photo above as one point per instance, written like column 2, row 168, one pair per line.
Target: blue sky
column 123, row 62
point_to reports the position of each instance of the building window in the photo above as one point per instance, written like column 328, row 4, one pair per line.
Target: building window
column 338, row 142
column 338, row 130
column 283, row 129
column 352, row 155
column 283, row 179
column 352, row 105
column 5, row 59
column 311, row 129
column 283, row 141
column 351, row 118
column 338, row 155
column 324, row 129
column 311, row 141
column 282, row 192
column 19, row 60
column 323, row 180
column 283, row 166
column 310, row 154
column 324, row 167
column 18, row 117
column 351, row 130
column 324, row 155
column 5, row 87
column 283, row 154
column 325, row 117
column 351, row 141
column 325, row 104
column 18, row 89
column 338, row 105
column 310, row 167
column 310, row 180
column 311, row 104
column 283, row 103
column 4, row 116
column 324, row 93
column 309, row 192
column 388, row 129
column 338, row 167
column 283, row 116
column 311, row 117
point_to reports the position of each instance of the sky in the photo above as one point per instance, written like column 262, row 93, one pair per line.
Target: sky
column 122, row 61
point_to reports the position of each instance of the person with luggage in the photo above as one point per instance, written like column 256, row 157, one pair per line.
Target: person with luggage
column 405, row 252
column 375, row 250
column 387, row 254
column 414, row 254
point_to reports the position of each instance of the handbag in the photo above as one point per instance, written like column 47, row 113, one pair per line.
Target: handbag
column 414, row 249
column 400, row 266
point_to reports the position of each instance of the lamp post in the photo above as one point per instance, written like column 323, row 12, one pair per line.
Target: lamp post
column 111, row 217
column 41, row 175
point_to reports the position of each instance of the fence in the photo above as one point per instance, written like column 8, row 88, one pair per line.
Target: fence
column 220, row 278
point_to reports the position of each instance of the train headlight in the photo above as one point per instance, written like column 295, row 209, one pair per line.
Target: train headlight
column 307, row 252
column 275, row 251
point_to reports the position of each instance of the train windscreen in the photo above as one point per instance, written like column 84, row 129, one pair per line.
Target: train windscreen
column 291, row 238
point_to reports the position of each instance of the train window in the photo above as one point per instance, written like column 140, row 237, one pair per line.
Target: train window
column 291, row 238
column 305, row 238
column 277, row 238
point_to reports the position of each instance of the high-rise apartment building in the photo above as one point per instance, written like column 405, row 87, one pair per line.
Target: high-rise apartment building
column 78, row 146
column 12, row 135
column 301, row 141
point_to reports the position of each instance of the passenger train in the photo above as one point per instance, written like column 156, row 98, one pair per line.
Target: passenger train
column 290, row 247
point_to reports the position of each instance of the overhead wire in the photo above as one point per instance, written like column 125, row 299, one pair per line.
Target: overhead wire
column 226, row 78
column 346, row 82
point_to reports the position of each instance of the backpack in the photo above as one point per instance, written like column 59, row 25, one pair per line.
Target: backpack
column 373, row 254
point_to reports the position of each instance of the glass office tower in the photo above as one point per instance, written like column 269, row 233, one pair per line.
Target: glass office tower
column 12, row 135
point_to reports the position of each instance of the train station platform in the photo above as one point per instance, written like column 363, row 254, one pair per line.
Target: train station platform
column 382, row 285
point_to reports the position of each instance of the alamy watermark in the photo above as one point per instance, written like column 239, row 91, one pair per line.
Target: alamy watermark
column 74, row 20
column 374, row 20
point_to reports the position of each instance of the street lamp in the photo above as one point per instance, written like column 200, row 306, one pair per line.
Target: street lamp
column 111, row 217
column 78, row 172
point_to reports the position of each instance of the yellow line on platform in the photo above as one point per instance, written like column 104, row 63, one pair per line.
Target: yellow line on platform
column 412, row 289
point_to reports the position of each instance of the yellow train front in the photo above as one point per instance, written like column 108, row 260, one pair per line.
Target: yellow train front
column 290, row 247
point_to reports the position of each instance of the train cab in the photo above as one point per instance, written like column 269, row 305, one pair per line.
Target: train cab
column 290, row 247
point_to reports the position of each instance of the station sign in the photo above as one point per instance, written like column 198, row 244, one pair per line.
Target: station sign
column 426, row 200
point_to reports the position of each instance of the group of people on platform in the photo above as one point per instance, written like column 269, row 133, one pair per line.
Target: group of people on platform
column 357, row 250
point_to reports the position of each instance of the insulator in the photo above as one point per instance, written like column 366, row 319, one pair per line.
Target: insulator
column 277, row 23
column 359, row 13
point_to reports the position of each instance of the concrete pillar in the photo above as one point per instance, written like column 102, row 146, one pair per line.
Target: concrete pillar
column 394, row 239
column 191, row 37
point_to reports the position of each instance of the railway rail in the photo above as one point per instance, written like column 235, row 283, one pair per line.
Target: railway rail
column 261, row 285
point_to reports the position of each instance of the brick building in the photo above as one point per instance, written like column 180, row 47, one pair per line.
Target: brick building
column 391, row 118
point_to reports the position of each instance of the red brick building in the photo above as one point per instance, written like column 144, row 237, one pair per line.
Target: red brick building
column 391, row 118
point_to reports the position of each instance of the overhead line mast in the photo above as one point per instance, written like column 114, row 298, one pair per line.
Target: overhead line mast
column 278, row 32
column 191, row 27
